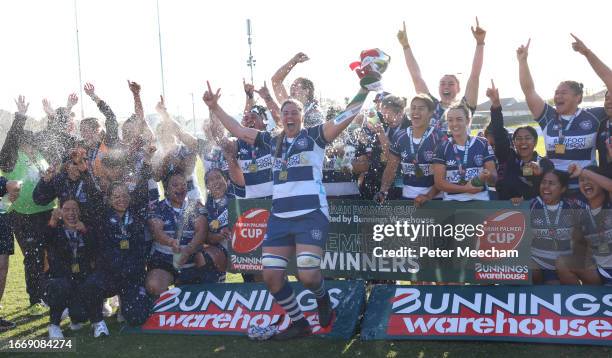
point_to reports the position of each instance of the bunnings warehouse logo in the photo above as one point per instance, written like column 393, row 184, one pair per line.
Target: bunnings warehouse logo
column 524, row 314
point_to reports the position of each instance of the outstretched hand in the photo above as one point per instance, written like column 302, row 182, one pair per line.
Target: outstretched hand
column 523, row 51
column 73, row 99
column 161, row 106
column 134, row 87
column 579, row 46
column 493, row 94
column 22, row 106
column 479, row 33
column 402, row 36
column 300, row 57
column 47, row 107
column 89, row 89
column 211, row 99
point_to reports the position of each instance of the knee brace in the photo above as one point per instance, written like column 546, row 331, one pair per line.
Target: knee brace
column 274, row 262
column 308, row 261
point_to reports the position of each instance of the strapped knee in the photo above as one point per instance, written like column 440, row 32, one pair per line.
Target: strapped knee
column 308, row 261
column 274, row 262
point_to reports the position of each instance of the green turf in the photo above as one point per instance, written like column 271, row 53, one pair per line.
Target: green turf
column 129, row 345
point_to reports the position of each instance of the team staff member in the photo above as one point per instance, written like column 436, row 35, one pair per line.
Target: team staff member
column 463, row 166
column 449, row 84
column 570, row 132
column 21, row 160
column 522, row 165
column 597, row 232
column 414, row 147
column 300, row 220
column 10, row 187
column 70, row 251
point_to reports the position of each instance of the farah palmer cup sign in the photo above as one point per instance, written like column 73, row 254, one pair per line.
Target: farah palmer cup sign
column 476, row 242
column 231, row 308
column 543, row 314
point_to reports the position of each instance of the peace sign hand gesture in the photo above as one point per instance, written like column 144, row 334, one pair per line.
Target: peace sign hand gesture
column 211, row 99
column 479, row 33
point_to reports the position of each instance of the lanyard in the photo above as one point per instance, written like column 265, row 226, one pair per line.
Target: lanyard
column 423, row 138
column 217, row 204
column 309, row 107
column 535, row 158
column 253, row 155
column 126, row 221
column 79, row 188
column 73, row 241
column 548, row 217
column 286, row 153
column 177, row 214
column 569, row 123
column 594, row 222
column 461, row 163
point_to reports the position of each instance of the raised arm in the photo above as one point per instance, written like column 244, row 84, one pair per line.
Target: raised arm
column 143, row 127
column 249, row 91
column 111, row 124
column 279, row 76
column 598, row 66
column 230, row 150
column 264, row 93
column 413, row 67
column 471, row 88
column 576, row 171
column 496, row 126
column 534, row 101
column 233, row 126
column 189, row 140
column 333, row 128
column 8, row 153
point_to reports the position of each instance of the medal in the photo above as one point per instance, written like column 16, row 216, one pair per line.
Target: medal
column 215, row 224
column 253, row 168
column 75, row 268
column 418, row 171
column 124, row 244
column 559, row 148
column 282, row 175
column 527, row 171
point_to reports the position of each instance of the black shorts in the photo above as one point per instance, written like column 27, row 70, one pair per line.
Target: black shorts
column 7, row 242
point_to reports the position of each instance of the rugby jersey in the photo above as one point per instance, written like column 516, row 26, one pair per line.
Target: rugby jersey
column 603, row 136
column 302, row 191
column 579, row 132
column 256, row 165
column 597, row 230
column 338, row 177
column 172, row 217
column 479, row 152
column 70, row 254
column 552, row 228
column 218, row 214
column 420, row 151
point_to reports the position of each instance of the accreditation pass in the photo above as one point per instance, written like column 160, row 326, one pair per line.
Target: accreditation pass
column 38, row 345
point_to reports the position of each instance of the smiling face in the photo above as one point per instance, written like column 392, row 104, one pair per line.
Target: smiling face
column 420, row 113
column 524, row 142
column 457, row 122
column 120, row 198
column 551, row 189
column 566, row 99
column 73, row 171
column 253, row 120
column 176, row 190
column 590, row 189
column 215, row 182
column 291, row 116
column 70, row 212
column 299, row 91
column 448, row 89
column 391, row 117
column 90, row 134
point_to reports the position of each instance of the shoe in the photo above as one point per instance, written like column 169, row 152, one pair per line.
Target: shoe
column 296, row 329
column 65, row 314
column 38, row 309
column 107, row 310
column 55, row 332
column 100, row 329
column 120, row 317
column 5, row 325
column 326, row 313
column 75, row 326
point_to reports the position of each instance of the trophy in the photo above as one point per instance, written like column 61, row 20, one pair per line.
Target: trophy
column 373, row 64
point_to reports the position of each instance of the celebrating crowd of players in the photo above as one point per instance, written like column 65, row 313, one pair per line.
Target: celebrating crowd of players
column 111, row 234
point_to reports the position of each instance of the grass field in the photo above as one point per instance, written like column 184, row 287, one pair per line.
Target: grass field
column 15, row 303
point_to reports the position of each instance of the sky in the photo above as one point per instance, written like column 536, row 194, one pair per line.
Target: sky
column 206, row 40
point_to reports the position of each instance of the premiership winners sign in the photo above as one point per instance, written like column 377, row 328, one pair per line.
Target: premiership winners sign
column 544, row 314
column 229, row 309
column 476, row 242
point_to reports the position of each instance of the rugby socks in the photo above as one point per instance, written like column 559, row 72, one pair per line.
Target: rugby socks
column 286, row 299
column 320, row 292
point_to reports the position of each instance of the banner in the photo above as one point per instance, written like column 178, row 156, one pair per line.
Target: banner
column 542, row 314
column 230, row 308
column 480, row 242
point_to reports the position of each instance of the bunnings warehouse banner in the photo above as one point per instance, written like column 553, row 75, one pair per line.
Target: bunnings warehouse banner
column 444, row 241
column 229, row 309
column 543, row 314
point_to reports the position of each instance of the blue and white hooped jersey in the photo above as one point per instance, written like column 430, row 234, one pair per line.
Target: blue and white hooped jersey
column 603, row 136
column 579, row 132
column 425, row 152
column 597, row 230
column 479, row 152
column 171, row 218
column 256, row 165
column 218, row 214
column 552, row 228
column 302, row 191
